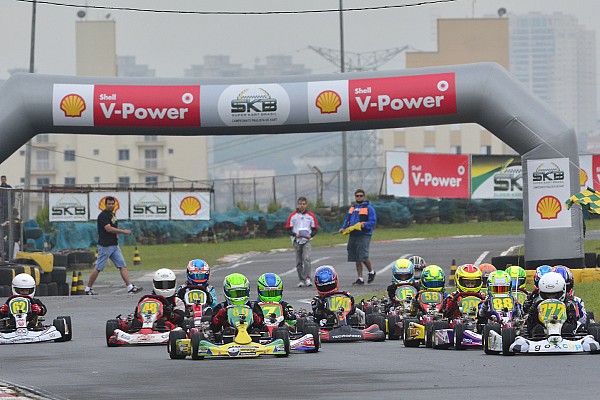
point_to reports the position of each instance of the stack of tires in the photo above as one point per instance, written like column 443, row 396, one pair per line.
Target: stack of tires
column 50, row 280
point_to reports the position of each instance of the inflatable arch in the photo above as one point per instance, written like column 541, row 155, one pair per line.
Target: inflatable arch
column 482, row 93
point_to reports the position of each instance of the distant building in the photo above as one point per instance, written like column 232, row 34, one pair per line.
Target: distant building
column 127, row 67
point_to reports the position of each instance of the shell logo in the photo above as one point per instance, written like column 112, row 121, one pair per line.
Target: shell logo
column 102, row 204
column 397, row 174
column 72, row 105
column 548, row 207
column 328, row 102
column 190, row 205
column 583, row 177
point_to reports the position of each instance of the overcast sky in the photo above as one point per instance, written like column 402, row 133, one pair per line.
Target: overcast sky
column 170, row 43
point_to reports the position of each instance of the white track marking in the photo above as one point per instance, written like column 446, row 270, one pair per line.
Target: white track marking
column 294, row 269
column 481, row 257
column 234, row 265
column 390, row 265
column 509, row 250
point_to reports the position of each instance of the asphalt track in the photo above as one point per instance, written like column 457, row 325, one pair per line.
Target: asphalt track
column 86, row 368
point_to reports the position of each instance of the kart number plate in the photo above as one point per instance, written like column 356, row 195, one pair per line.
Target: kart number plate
column 430, row 297
column 469, row 303
column 195, row 296
column 150, row 306
column 19, row 305
column 271, row 308
column 338, row 301
column 500, row 302
column 404, row 292
column 549, row 308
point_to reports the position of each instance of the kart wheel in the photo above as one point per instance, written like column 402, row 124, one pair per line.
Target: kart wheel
column 368, row 310
column 187, row 324
column 369, row 319
column 439, row 325
column 428, row 334
column 590, row 317
column 300, row 322
column 392, row 328
column 283, row 334
column 111, row 326
column 380, row 321
column 172, row 348
column 409, row 342
column 508, row 337
column 196, row 338
column 486, row 335
column 313, row 329
column 68, row 326
column 459, row 331
column 594, row 330
column 59, row 324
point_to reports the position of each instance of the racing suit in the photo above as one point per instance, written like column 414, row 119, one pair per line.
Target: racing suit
column 572, row 314
column 36, row 308
column 581, row 311
column 211, row 300
column 219, row 320
column 173, row 310
column 531, row 298
column 450, row 309
column 322, row 314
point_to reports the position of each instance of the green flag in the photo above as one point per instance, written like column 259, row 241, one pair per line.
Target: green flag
column 588, row 199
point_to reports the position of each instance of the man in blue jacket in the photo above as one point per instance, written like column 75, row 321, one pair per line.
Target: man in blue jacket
column 360, row 239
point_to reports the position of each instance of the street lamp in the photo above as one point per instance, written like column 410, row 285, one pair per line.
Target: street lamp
column 344, row 136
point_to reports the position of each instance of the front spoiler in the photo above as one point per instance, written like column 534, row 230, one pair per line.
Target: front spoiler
column 142, row 337
column 237, row 350
column 23, row 335
column 347, row 333
column 554, row 344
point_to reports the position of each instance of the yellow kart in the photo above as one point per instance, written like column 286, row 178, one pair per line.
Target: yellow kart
column 234, row 342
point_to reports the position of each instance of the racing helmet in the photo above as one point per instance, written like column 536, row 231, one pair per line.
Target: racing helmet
column 326, row 280
column 403, row 272
column 468, row 278
column 567, row 274
column 23, row 285
column 433, row 278
column 552, row 286
column 236, row 289
column 518, row 277
column 498, row 283
column 163, row 282
column 270, row 288
column 539, row 272
column 486, row 270
column 418, row 262
column 198, row 272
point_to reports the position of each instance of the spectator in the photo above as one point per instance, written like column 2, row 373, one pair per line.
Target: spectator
column 4, row 193
column 362, row 215
column 302, row 226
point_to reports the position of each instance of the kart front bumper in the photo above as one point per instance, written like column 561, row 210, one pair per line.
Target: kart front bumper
column 554, row 344
column 23, row 335
column 143, row 337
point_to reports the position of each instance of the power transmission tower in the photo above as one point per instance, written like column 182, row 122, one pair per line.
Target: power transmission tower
column 368, row 61
column 363, row 150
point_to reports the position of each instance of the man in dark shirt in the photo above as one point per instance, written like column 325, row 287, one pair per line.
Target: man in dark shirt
column 108, row 247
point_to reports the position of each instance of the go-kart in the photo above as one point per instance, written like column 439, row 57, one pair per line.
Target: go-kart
column 461, row 332
column 153, row 330
column 16, row 329
column 338, row 327
column 389, row 317
column 419, row 330
column 554, row 336
column 303, row 337
column 504, row 319
column 233, row 341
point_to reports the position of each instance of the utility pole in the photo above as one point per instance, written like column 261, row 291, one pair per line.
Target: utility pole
column 25, row 210
column 344, row 135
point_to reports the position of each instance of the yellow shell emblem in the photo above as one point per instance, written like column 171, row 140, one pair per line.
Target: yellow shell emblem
column 190, row 205
column 548, row 207
column 328, row 102
column 397, row 174
column 72, row 105
column 583, row 177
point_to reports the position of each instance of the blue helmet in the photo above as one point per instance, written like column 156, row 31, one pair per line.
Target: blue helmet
column 403, row 272
column 326, row 279
column 539, row 272
column 198, row 272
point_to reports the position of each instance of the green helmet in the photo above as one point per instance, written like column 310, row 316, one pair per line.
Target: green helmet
column 518, row 277
column 236, row 289
column 433, row 278
column 270, row 288
column 498, row 282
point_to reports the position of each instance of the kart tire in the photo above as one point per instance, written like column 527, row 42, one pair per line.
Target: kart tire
column 392, row 326
column 300, row 322
column 172, row 348
column 369, row 319
column 486, row 334
column 508, row 337
column 439, row 325
column 283, row 334
column 59, row 324
column 111, row 326
column 52, row 289
column 69, row 326
column 368, row 310
column 409, row 342
column 590, row 317
column 380, row 321
column 594, row 330
column 313, row 329
column 459, row 330
column 428, row 334
column 196, row 338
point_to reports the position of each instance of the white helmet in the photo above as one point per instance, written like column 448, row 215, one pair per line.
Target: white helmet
column 418, row 262
column 552, row 286
column 164, row 282
column 23, row 285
